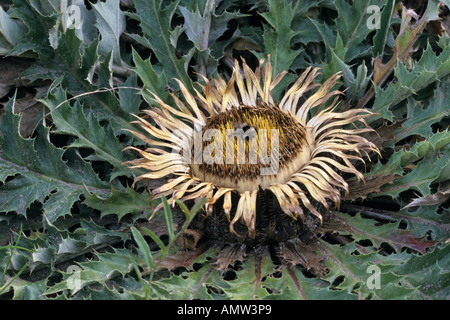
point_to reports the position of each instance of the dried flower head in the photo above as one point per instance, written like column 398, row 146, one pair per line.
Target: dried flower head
column 233, row 139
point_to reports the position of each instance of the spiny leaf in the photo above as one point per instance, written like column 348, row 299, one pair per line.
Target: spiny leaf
column 120, row 203
column 440, row 196
column 427, row 220
column 181, row 287
column 432, row 168
column 128, row 290
column 155, row 22
column 389, row 178
column 350, row 272
column 38, row 25
column 426, row 70
column 70, row 245
column 380, row 37
column 111, row 25
column 420, row 273
column 40, row 177
column 54, row 246
column 403, row 47
column 152, row 81
column 108, row 266
column 278, row 35
column 204, row 30
column 11, row 32
column 427, row 150
column 421, row 116
column 229, row 255
column 383, row 136
column 29, row 290
column 70, row 62
column 88, row 132
column 294, row 285
column 356, row 85
column 248, row 283
column 372, row 184
column 40, row 172
column 363, row 228
column 352, row 26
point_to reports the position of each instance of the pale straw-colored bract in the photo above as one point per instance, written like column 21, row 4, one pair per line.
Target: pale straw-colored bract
column 310, row 177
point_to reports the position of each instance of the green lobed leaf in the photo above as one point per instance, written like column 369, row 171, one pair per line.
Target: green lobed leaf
column 204, row 30
column 111, row 24
column 88, row 132
column 79, row 67
column 428, row 276
column 120, row 203
column 427, row 220
column 29, row 290
column 278, row 35
column 71, row 62
column 352, row 25
column 152, row 81
column 434, row 166
column 57, row 246
column 38, row 25
column 295, row 285
column 428, row 69
column 390, row 233
column 350, row 272
column 419, row 150
column 380, row 38
column 421, row 116
column 248, row 285
column 11, row 32
column 155, row 22
column 39, row 172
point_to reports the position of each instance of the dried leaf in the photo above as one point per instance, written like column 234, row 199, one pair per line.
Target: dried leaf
column 29, row 108
column 183, row 257
column 402, row 51
column 297, row 252
column 441, row 196
column 10, row 70
column 371, row 184
column 176, row 260
column 364, row 228
column 230, row 255
column 189, row 239
column 403, row 46
column 384, row 134
column 403, row 238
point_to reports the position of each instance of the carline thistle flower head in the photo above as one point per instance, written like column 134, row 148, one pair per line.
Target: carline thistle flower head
column 232, row 141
